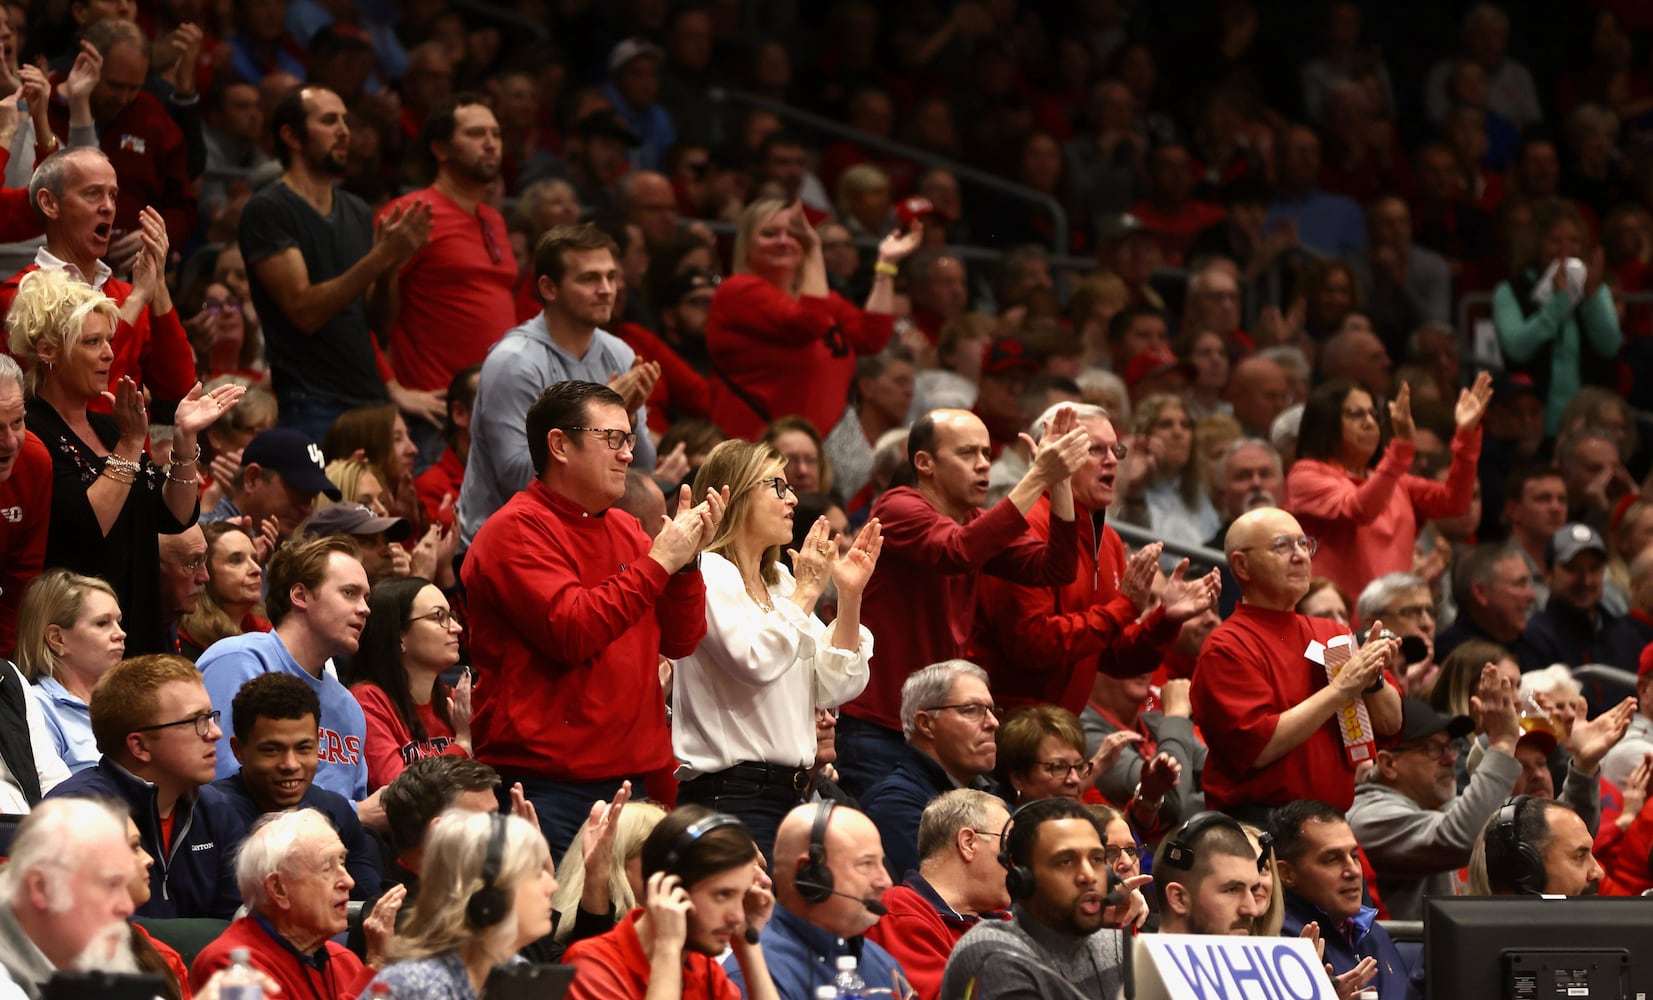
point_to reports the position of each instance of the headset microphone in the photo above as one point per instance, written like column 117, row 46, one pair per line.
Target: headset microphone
column 873, row 906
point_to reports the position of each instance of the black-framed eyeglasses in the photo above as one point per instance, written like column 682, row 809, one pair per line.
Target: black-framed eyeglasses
column 616, row 438
column 441, row 617
column 204, row 724
column 970, row 710
column 1283, row 545
column 1112, row 854
column 1058, row 769
column 780, row 486
column 1432, row 749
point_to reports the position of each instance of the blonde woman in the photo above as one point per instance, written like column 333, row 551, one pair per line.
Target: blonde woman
column 358, row 482
column 744, row 702
column 68, row 636
column 110, row 503
column 447, row 947
column 586, row 908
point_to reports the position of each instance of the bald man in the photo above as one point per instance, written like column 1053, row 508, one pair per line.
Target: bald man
column 1277, row 728
column 921, row 602
column 829, row 877
column 1258, row 392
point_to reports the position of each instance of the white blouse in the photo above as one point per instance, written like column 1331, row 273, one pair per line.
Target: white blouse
column 749, row 692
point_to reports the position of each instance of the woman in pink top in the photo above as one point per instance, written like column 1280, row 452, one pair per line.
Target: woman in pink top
column 1366, row 519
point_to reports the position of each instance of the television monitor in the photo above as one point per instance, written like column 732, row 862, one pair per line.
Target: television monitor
column 1533, row 948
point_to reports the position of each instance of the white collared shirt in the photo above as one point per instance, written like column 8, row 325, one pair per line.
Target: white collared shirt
column 48, row 261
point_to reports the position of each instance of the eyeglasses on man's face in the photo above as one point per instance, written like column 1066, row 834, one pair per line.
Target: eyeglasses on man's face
column 204, row 724
column 1113, row 854
column 970, row 711
column 616, row 438
column 1285, row 545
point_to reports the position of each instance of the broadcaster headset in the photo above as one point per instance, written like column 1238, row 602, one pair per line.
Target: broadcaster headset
column 814, row 878
column 1510, row 860
column 488, row 905
column 685, row 841
column 1019, row 879
column 1179, row 849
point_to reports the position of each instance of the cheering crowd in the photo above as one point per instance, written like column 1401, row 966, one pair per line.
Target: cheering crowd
column 471, row 494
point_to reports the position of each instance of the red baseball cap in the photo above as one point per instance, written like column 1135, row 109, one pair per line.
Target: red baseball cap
column 1153, row 361
column 914, row 209
column 1010, row 355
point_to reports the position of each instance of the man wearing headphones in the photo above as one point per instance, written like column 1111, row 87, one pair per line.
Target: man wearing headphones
column 1537, row 846
column 829, row 880
column 1208, row 877
column 1061, row 941
column 705, row 891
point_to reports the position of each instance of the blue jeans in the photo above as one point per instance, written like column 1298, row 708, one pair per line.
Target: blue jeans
column 866, row 752
column 563, row 805
column 311, row 415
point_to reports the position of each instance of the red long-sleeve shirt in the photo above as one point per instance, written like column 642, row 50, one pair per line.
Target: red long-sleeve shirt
column 154, row 351
column 1367, row 526
column 921, row 602
column 569, row 617
column 25, row 511
column 343, row 976
column 18, row 221
column 789, row 356
column 680, row 391
column 390, row 746
column 1045, row 645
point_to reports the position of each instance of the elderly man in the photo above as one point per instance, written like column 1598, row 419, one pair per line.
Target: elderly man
column 1207, row 876
column 1246, row 476
column 182, row 578
column 572, row 605
column 282, row 472
column 1494, row 595
column 959, row 882
column 1567, row 861
column 949, row 718
column 63, row 894
column 291, row 874
column 1416, row 828
column 829, row 879
column 1569, row 628
column 318, row 604
column 576, row 272
column 938, row 543
column 155, row 726
column 1318, row 861
column 26, row 499
column 1045, row 645
column 1406, row 606
column 1288, row 706
column 1258, row 392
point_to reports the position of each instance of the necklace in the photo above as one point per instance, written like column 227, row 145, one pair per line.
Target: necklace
column 761, row 601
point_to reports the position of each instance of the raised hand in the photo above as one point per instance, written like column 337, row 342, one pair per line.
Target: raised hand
column 668, row 905
column 1589, row 741
column 1159, row 775
column 186, row 38
column 199, row 410
column 521, row 807
column 671, row 467
column 11, row 116
column 812, row 565
column 1141, row 569
column 1473, row 402
column 1494, row 710
column 1055, row 458
column 1175, row 700
column 126, row 403
column 898, row 246
column 1400, row 413
column 1184, row 598
column 83, row 75
column 459, row 710
column 1366, row 665
column 759, row 902
column 1107, row 754
column 601, row 825
column 854, row 569
column 380, row 926
column 636, row 383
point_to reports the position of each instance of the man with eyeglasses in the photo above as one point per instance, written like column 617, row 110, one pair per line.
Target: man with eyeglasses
column 1288, row 706
column 456, row 295
column 572, row 605
column 156, row 728
column 183, row 577
column 949, row 719
column 577, row 275
column 1416, row 828
column 959, row 882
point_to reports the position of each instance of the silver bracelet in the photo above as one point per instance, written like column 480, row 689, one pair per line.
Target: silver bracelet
column 118, row 464
column 189, row 461
column 174, row 479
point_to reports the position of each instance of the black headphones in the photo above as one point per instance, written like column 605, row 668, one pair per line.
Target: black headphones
column 1179, row 848
column 488, row 905
column 1509, row 860
column 814, row 878
column 685, row 841
column 1018, row 879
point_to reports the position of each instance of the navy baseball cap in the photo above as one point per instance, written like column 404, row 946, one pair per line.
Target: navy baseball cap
column 292, row 455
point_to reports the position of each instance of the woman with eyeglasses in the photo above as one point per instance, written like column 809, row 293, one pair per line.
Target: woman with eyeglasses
column 743, row 704
column 235, row 589
column 411, row 637
column 1367, row 518
column 1042, row 755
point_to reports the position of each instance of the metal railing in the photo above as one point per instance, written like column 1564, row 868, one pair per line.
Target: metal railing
column 964, row 172
column 1138, row 535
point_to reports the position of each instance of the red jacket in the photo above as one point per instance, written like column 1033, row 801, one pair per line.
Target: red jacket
column 18, row 220
column 25, row 511
column 1044, row 645
column 341, row 977
column 569, row 618
column 919, row 935
column 440, row 481
column 155, row 351
column 151, row 159
column 612, row 966
column 680, row 391
column 921, row 602
column 785, row 355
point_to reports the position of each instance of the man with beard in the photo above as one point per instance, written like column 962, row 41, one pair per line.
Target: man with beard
column 318, row 272
column 455, row 297
column 576, row 269
column 1060, row 942
column 65, row 901
column 1208, row 878
column 1525, row 824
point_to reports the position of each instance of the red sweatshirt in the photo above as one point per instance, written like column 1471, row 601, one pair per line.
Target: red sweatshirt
column 25, row 511
column 390, row 746
column 155, row 351
column 341, row 977
column 439, row 482
column 1044, row 645
column 1367, row 526
column 150, row 158
column 18, row 220
column 921, row 602
column 680, row 391
column 919, row 935
column 786, row 355
column 569, row 618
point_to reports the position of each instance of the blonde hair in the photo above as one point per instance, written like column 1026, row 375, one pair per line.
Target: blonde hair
column 346, row 474
column 634, row 824
column 54, row 598
column 51, row 307
column 742, row 466
column 751, row 219
column 1269, row 922
column 455, row 851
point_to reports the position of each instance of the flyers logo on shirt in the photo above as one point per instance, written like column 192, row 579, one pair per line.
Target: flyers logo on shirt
column 13, row 515
column 336, row 749
column 132, row 144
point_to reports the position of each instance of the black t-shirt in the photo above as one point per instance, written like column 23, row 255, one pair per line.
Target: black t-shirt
column 336, row 362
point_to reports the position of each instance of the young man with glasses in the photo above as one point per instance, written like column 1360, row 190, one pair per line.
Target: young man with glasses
column 577, row 274
column 317, row 603
column 156, row 728
column 571, row 608
column 1278, row 723
column 950, row 721
column 1416, row 828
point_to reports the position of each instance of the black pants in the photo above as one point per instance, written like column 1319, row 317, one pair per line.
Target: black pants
column 759, row 795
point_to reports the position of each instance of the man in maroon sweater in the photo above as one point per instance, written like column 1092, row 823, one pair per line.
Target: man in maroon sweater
column 571, row 608
column 921, row 603
column 25, row 503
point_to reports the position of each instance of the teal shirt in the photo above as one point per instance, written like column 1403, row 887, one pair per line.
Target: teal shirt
column 1521, row 336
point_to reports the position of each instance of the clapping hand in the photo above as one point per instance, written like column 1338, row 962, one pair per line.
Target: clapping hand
column 459, row 710
column 199, row 410
column 1141, row 569
column 83, row 75
column 1400, row 413
column 1589, row 741
column 812, row 564
column 126, row 403
column 898, row 246
column 404, row 230
column 854, row 568
column 1107, row 753
column 636, row 383
column 1063, row 448
column 693, row 528
column 1184, row 598
column 1159, row 775
column 1473, row 402
column 1350, row 983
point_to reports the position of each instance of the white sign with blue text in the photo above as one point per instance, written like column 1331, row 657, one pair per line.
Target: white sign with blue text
column 1218, row 967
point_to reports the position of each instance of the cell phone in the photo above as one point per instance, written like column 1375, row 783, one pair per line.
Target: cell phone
column 528, row 981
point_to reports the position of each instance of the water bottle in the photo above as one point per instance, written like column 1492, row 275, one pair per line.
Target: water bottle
column 848, row 983
column 241, row 981
column 831, row 992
